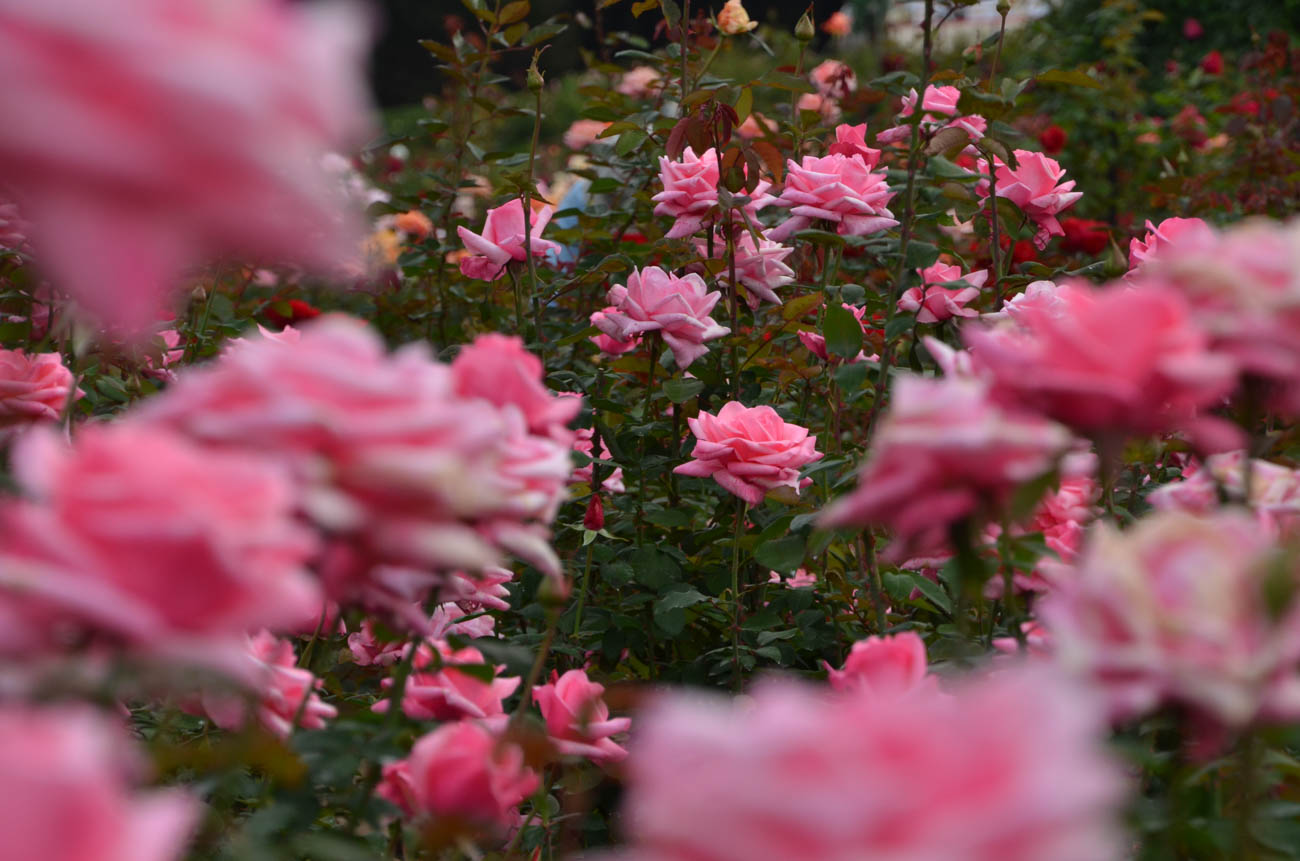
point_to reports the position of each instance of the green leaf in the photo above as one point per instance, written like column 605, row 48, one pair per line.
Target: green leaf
column 783, row 555
column 897, row 326
column 1072, row 78
column 931, row 590
column 800, row 307
column 765, row 637
column 843, row 332
column 852, row 377
column 653, row 567
column 744, row 103
column 681, row 389
column 541, row 33
column 920, row 255
column 628, row 142
column 515, row 11
column 643, row 6
column 680, row 600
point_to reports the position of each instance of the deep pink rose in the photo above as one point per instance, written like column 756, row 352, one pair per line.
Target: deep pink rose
column 749, row 451
column 502, row 240
column 33, row 389
column 835, row 188
column 852, row 141
column 66, row 794
column 498, row 369
column 436, row 690
column 938, row 100
column 154, row 171
column 461, row 772
column 280, row 686
column 655, row 301
column 834, row 79
column 1035, row 185
column 1171, row 231
column 608, row 344
column 885, row 666
column 934, row 303
column 760, row 269
column 690, row 192
column 577, row 719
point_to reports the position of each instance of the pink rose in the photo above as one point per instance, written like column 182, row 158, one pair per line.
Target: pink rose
column 608, row 344
column 690, row 192
column 33, row 389
column 885, row 666
column 826, row 107
column 436, row 690
column 760, row 269
column 656, row 301
column 792, row 773
column 834, row 79
column 1176, row 609
column 502, row 240
column 1112, row 359
column 1274, row 490
column 834, row 188
column 852, row 141
column 577, row 719
column 227, row 163
column 1171, row 231
column 281, row 688
column 584, row 133
column 934, row 303
column 499, row 370
column 749, row 451
column 939, row 100
column 944, row 452
column 800, row 579
column 66, row 793
column 461, row 772
column 485, row 590
column 640, row 82
column 815, row 342
column 136, row 533
column 582, row 443
column 1035, row 186
column 370, row 651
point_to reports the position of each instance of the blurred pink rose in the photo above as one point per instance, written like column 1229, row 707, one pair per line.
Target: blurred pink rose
column 640, row 82
column 461, row 772
column 1107, row 359
column 826, row 107
column 33, row 389
column 885, row 666
column 608, row 344
column 815, row 342
column 1171, row 231
column 577, row 719
column 1045, row 297
column 756, row 126
column 944, row 452
column 734, row 20
column 1177, row 609
column 760, row 269
column 135, row 533
column 852, row 141
column 690, row 192
column 834, row 79
column 182, row 133
column 1274, row 490
column 934, row 303
column 749, row 451
column 65, row 792
column 612, row 482
column 795, row 773
column 835, row 188
column 368, row 650
column 280, row 687
column 485, row 590
column 657, row 301
column 800, row 579
column 1035, row 185
column 502, row 240
column 499, row 370
column 583, row 133
column 436, row 690
column 939, row 100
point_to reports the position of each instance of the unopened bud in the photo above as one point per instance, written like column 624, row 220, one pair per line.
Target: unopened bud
column 594, row 519
column 804, row 30
column 535, row 79
column 1004, row 6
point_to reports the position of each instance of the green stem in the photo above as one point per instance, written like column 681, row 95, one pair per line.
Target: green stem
column 528, row 232
column 535, row 671
column 582, row 592
column 742, row 511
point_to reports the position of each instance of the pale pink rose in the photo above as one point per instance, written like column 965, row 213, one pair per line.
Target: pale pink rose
column 227, row 162
column 172, row 353
column 612, row 481
column 656, row 301
column 1177, row 609
column 1108, row 360
column 461, row 772
column 1171, row 231
column 826, row 107
column 499, row 370
column 280, row 687
column 66, row 777
column 953, row 362
column 639, row 82
column 795, row 772
column 436, row 690
column 760, row 269
column 34, row 389
column 368, row 650
column 451, row 618
column 608, row 344
column 756, row 126
column 690, row 192
column 834, row 79
column 1035, row 185
column 502, row 240
column 485, row 590
column 852, row 141
column 583, row 133
column 938, row 100
column 815, row 342
column 835, row 188
column 734, row 20
column 1037, row 644
column 1274, row 490
column 800, row 579
column 138, row 535
column 934, row 303
column 885, row 666
column 944, row 452
column 577, row 718
column 749, row 451
column 1045, row 297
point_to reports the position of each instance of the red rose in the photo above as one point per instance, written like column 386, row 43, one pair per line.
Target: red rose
column 1084, row 235
column 1212, row 63
column 1052, row 139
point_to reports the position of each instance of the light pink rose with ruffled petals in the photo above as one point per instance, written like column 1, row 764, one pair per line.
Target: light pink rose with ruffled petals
column 761, row 269
column 937, row 99
column 33, row 389
column 577, row 718
column 1274, row 490
column 795, row 772
column 824, row 106
column 934, row 303
column 461, row 772
column 138, row 535
column 281, row 687
column 749, row 450
column 66, row 793
column 834, row 79
column 502, row 240
column 834, row 188
column 368, row 650
column 690, row 192
column 800, row 579
column 608, row 344
column 851, row 141
column 498, row 369
column 1177, row 609
column 437, row 690
column 640, row 82
column 944, row 452
column 885, row 666
column 582, row 443
column 656, row 301
column 1035, row 185
column 1171, row 231
column 228, row 161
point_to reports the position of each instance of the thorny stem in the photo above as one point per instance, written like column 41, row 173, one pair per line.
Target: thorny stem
column 686, row 78
column 871, row 578
column 528, row 233
column 535, row 671
column 995, row 249
column 735, row 306
column 582, row 591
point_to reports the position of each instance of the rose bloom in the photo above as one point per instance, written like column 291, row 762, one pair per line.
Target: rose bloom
column 655, row 301
column 228, row 162
column 815, row 342
column 1084, row 235
column 66, row 792
column 1114, row 359
column 639, row 82
column 499, row 370
column 835, row 188
column 463, row 775
column 852, row 141
column 760, row 269
column 584, row 133
column 749, row 451
column 33, row 389
column 934, row 303
column 834, row 79
column 800, row 579
column 945, row 452
column 1177, row 609
column 1171, row 231
column 139, row 536
column 885, row 666
column 939, row 100
column 1274, row 490
column 607, row 344
column 734, row 20
column 839, row 23
column 281, row 686
column 690, row 192
column 611, row 481
column 436, row 690
column 502, row 240
column 826, row 107
column 756, row 126
column 414, row 223
column 1052, row 139
column 1035, row 185
column 577, row 719
column 794, row 772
